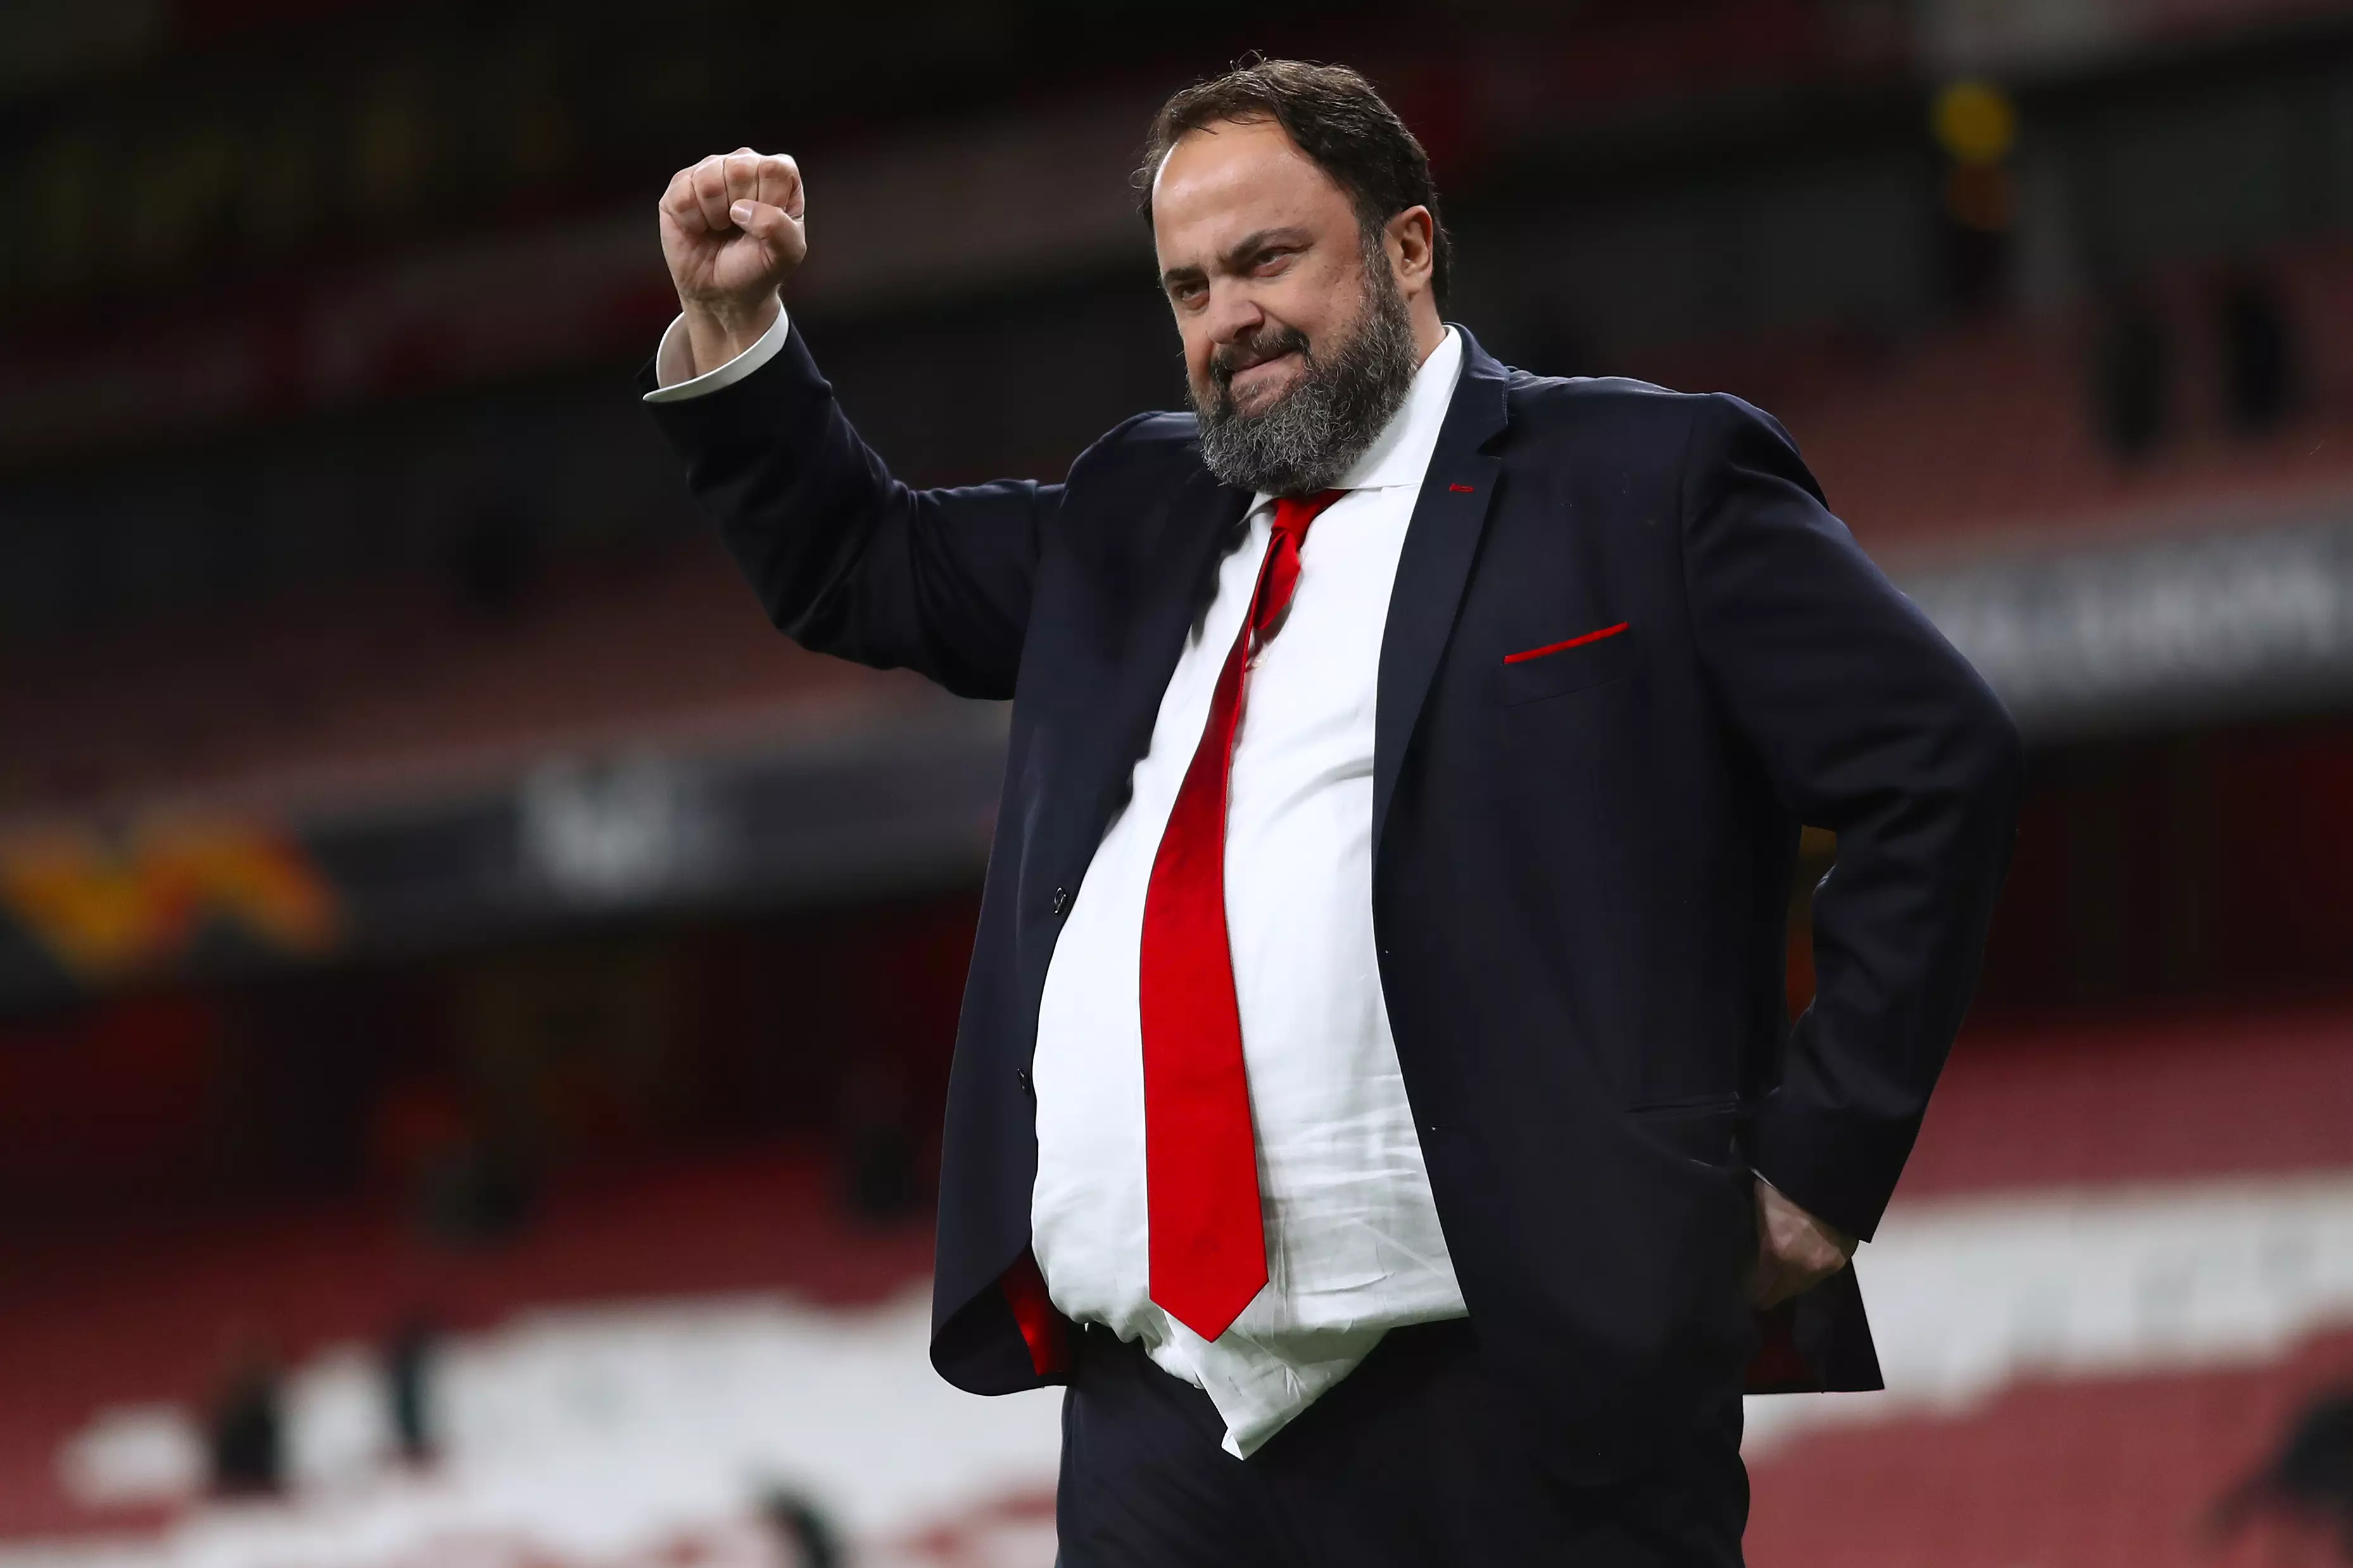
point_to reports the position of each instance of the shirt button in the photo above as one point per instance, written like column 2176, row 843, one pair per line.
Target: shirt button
column 1062, row 899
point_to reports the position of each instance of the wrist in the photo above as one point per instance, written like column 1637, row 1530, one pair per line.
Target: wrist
column 719, row 331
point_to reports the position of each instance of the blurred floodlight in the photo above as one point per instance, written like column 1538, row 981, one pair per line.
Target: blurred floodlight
column 1975, row 122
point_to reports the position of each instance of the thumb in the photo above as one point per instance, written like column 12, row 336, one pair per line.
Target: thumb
column 761, row 220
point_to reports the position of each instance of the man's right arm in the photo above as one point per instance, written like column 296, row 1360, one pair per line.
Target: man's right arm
column 845, row 558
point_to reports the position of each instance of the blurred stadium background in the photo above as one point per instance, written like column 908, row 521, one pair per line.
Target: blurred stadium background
column 474, row 1002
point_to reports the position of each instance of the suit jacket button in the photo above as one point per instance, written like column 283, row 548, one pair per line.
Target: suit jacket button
column 1021, row 1076
column 1062, row 899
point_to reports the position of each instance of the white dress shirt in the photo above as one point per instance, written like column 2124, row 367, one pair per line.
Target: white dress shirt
column 1354, row 1246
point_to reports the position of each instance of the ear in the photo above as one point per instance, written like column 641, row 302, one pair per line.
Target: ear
column 1410, row 237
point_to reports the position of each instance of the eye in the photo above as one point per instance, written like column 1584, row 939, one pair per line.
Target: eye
column 1269, row 260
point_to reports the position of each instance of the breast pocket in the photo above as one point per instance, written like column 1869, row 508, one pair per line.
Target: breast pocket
column 1575, row 663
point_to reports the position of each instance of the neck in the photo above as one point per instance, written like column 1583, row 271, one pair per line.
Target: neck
column 1428, row 331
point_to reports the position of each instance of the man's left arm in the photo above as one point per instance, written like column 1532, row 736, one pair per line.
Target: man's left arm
column 1871, row 725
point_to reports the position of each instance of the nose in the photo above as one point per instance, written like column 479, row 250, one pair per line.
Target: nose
column 1232, row 314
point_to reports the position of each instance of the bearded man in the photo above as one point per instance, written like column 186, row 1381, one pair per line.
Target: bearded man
column 1373, row 1095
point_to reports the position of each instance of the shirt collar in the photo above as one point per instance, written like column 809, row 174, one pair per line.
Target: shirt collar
column 1400, row 454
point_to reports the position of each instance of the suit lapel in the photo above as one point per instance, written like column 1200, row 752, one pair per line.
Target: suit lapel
column 1435, row 564
column 1176, row 576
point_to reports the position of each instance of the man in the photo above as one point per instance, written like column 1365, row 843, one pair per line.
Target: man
column 1376, row 1011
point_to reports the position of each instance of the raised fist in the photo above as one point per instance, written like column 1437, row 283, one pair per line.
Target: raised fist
column 732, row 232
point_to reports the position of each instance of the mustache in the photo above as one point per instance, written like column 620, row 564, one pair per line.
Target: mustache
column 1272, row 342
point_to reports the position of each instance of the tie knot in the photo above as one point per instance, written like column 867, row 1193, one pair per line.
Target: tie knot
column 1293, row 513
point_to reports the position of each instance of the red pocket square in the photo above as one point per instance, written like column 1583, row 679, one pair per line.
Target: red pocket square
column 1561, row 646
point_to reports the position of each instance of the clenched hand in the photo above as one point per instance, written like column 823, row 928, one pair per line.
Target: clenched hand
column 732, row 230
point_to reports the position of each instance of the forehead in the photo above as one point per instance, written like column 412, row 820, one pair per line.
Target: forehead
column 1234, row 178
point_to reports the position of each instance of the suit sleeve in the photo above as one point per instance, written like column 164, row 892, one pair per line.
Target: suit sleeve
column 845, row 558
column 1871, row 724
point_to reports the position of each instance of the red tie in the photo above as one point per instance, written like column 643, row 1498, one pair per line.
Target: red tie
column 1209, row 1240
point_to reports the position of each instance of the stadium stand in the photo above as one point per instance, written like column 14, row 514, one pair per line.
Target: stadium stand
column 1983, row 433
column 404, row 691
column 1973, row 437
column 2080, row 1363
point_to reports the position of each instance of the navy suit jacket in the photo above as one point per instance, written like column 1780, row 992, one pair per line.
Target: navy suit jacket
column 1582, row 860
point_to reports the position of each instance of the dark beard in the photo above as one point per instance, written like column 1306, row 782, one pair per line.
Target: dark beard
column 1309, row 437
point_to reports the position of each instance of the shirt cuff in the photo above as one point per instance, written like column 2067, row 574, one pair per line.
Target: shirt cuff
column 671, row 362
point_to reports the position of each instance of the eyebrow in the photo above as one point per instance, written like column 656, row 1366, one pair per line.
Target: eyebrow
column 1238, row 252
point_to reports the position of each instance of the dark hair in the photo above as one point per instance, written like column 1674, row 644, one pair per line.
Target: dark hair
column 1333, row 116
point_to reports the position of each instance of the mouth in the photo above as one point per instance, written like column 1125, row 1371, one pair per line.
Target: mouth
column 1259, row 380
